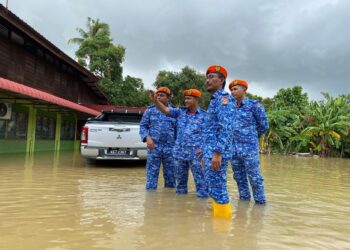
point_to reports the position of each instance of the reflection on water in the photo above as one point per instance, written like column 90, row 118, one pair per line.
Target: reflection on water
column 57, row 201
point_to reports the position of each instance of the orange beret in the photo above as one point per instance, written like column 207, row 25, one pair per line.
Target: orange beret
column 192, row 92
column 217, row 68
column 164, row 90
column 238, row 82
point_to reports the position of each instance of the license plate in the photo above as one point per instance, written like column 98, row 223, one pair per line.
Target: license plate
column 119, row 152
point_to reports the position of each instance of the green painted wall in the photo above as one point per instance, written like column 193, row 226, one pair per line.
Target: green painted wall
column 12, row 146
column 31, row 144
column 67, row 145
column 19, row 146
column 44, row 145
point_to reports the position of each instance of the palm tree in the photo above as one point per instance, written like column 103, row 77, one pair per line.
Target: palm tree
column 97, row 52
column 94, row 29
column 96, row 37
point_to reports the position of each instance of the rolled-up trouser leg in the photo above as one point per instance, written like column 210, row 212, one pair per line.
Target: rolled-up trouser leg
column 217, row 180
column 240, row 176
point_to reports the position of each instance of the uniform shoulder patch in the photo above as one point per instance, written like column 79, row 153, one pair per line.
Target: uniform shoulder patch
column 224, row 99
column 257, row 105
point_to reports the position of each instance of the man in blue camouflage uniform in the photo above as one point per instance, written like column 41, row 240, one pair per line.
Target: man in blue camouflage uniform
column 251, row 123
column 159, row 132
column 190, row 121
column 217, row 137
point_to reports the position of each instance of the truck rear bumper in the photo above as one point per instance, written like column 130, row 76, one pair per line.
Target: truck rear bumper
column 103, row 154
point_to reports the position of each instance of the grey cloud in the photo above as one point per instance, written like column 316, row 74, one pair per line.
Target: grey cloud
column 272, row 44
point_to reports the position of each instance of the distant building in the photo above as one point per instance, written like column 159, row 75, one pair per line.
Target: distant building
column 41, row 89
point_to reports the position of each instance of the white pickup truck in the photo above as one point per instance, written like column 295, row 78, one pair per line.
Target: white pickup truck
column 113, row 135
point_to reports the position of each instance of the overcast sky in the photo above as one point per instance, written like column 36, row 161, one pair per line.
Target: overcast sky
column 272, row 44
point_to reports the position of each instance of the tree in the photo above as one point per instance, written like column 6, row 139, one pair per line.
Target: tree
column 187, row 78
column 280, row 130
column 284, row 111
column 290, row 98
column 130, row 92
column 255, row 97
column 266, row 102
column 95, row 29
column 97, row 52
column 345, row 139
column 328, row 123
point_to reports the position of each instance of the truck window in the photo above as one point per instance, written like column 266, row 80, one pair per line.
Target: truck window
column 130, row 118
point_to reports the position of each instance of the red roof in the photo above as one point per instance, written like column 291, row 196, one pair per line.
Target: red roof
column 44, row 96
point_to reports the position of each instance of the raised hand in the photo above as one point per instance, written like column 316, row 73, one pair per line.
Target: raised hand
column 152, row 95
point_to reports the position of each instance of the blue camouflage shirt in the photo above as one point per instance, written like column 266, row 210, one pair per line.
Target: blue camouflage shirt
column 189, row 132
column 251, row 124
column 161, row 128
column 217, row 134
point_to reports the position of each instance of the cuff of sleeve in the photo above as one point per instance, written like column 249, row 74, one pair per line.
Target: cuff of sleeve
column 171, row 111
column 145, row 138
column 218, row 149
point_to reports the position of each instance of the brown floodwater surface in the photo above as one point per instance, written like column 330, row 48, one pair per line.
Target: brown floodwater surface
column 57, row 201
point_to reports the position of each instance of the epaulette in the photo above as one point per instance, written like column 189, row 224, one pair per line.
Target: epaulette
column 256, row 103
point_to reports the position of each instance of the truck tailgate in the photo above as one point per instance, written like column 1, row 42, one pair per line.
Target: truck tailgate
column 114, row 135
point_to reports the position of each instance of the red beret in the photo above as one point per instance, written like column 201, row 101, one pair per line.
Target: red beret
column 217, row 68
column 238, row 82
column 192, row 92
column 164, row 90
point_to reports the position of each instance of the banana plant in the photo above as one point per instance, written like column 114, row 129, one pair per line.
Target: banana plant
column 329, row 122
column 281, row 127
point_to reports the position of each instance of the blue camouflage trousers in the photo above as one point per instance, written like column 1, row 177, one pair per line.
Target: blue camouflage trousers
column 161, row 154
column 217, row 181
column 181, row 175
column 248, row 167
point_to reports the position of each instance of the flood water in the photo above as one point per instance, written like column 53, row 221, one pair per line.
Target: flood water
column 52, row 201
